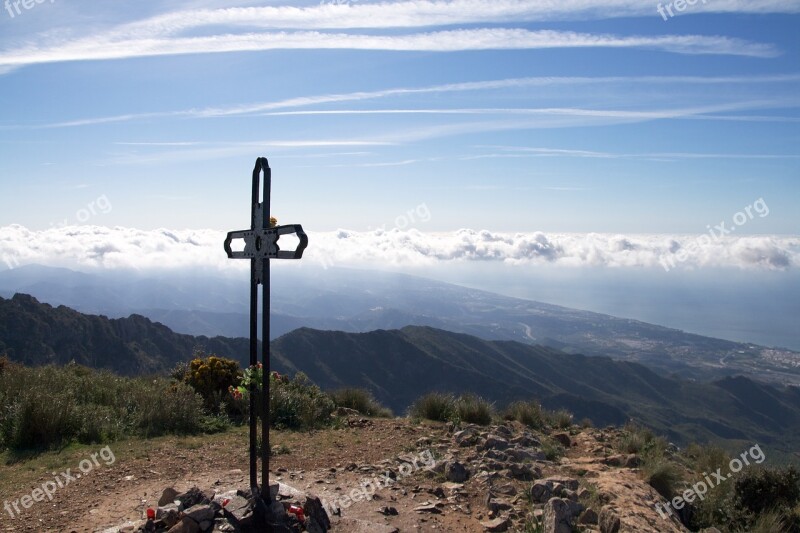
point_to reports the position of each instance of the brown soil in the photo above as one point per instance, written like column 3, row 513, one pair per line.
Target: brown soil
column 320, row 462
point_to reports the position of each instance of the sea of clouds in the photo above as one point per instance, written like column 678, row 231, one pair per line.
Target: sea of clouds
column 118, row 247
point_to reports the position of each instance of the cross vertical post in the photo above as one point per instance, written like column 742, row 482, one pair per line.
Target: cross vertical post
column 261, row 245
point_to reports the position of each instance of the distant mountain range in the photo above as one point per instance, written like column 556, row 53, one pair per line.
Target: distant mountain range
column 35, row 333
column 400, row 365
column 361, row 301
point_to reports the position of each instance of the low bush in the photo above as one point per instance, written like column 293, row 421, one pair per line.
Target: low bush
column 360, row 400
column 662, row 474
column 474, row 410
column 211, row 377
column 437, row 406
column 529, row 413
column 299, row 404
column 634, row 438
column 49, row 406
column 561, row 419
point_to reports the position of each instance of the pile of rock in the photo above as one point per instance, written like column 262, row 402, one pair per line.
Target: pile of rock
column 499, row 457
column 236, row 511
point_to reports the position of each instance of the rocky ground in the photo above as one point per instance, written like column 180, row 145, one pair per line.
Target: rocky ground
column 374, row 475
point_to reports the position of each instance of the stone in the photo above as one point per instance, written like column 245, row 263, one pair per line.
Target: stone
column 521, row 455
column 508, row 489
column 200, row 513
column 240, row 512
column 608, row 520
column 523, row 472
column 428, row 508
column 466, row 437
column 526, row 440
column 169, row 514
column 194, row 496
column 495, row 442
column 589, row 517
column 633, row 461
column 615, row 460
column 498, row 524
column 312, row 526
column 313, row 508
column 168, row 496
column 571, row 484
column 557, row 516
column 456, row 472
column 541, row 492
column 186, row 525
column 562, row 438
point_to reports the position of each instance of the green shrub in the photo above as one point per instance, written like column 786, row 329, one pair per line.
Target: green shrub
column 663, row 475
column 47, row 407
column 754, row 500
column 299, row 404
column 706, row 458
column 211, row 377
column 474, row 410
column 561, row 419
column 529, row 413
column 161, row 407
column 360, row 400
column 634, row 438
column 763, row 489
column 769, row 522
column 553, row 450
column 436, row 406
column 40, row 419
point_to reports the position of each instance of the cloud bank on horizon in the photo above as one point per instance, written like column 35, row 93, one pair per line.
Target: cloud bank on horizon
column 91, row 247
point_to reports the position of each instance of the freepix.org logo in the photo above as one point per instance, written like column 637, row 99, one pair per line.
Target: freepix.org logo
column 59, row 481
column 13, row 6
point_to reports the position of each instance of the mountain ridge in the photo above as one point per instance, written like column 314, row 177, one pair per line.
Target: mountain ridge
column 600, row 388
column 360, row 301
column 398, row 366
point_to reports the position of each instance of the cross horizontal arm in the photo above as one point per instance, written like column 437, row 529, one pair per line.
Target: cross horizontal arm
column 263, row 243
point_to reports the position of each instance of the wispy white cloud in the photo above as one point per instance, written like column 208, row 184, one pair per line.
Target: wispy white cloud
column 274, row 107
column 521, row 151
column 419, row 13
column 202, row 151
column 90, row 246
column 111, row 46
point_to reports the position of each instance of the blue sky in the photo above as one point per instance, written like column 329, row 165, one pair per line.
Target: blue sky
column 578, row 152
column 591, row 116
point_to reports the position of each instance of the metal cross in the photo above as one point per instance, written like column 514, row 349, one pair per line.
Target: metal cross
column 261, row 245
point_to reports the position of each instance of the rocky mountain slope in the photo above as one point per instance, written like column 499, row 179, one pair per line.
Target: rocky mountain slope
column 35, row 333
column 361, row 301
column 399, row 366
